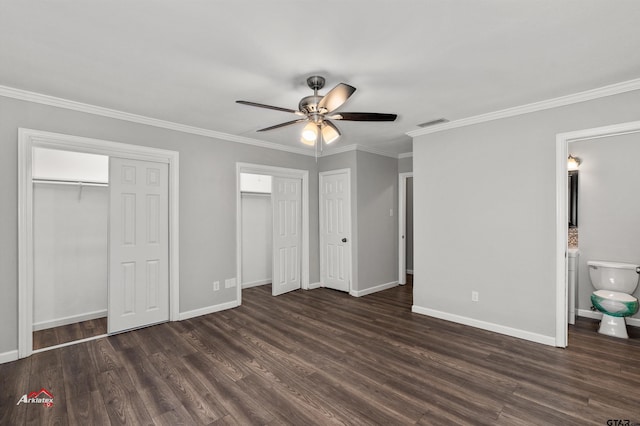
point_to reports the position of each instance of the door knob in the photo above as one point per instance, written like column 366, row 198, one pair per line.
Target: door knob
column 344, row 240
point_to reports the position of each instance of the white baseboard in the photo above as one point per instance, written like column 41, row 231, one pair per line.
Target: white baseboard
column 496, row 328
column 410, row 271
column 313, row 286
column 375, row 289
column 588, row 313
column 207, row 310
column 8, row 356
column 72, row 319
column 256, row 283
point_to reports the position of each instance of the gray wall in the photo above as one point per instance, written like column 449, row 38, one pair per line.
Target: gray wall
column 377, row 229
column 608, row 205
column 405, row 165
column 207, row 189
column 485, row 199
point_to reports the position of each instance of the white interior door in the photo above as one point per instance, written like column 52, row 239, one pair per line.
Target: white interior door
column 335, row 230
column 138, row 244
column 286, row 200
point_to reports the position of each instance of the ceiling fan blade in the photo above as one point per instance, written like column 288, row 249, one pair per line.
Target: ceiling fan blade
column 277, row 126
column 293, row 111
column 363, row 116
column 336, row 97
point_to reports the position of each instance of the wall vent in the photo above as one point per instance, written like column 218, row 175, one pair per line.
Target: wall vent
column 433, row 122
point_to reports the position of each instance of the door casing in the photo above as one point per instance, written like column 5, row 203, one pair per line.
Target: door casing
column 29, row 139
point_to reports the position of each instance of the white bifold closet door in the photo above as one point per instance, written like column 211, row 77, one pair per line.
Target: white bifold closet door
column 286, row 199
column 138, row 244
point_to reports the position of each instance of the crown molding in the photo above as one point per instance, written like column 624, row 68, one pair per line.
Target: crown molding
column 357, row 147
column 39, row 98
column 601, row 92
column 24, row 95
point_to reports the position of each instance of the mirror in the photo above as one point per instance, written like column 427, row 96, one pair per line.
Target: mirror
column 573, row 199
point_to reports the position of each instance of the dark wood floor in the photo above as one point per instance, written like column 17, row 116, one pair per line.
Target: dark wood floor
column 320, row 357
column 69, row 333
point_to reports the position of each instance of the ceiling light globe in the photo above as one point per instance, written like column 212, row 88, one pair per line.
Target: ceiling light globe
column 329, row 134
column 309, row 134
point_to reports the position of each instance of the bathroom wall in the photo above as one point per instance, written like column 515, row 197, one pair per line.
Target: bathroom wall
column 608, row 205
column 573, row 238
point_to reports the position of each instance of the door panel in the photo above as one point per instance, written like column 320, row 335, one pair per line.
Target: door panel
column 286, row 197
column 335, row 238
column 138, row 244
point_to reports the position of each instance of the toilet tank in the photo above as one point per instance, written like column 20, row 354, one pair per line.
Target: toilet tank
column 614, row 276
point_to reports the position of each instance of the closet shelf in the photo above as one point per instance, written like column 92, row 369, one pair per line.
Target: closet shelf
column 69, row 182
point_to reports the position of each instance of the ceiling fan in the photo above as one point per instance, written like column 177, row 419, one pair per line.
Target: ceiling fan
column 318, row 111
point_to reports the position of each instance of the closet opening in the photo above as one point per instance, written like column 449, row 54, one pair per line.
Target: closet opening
column 257, row 229
column 70, row 246
column 279, row 243
column 142, row 232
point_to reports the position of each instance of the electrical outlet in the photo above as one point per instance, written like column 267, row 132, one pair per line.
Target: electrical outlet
column 390, row 212
column 216, row 285
column 231, row 282
column 474, row 296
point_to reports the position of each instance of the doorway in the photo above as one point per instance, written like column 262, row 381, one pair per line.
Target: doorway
column 562, row 142
column 289, row 204
column 405, row 228
column 32, row 139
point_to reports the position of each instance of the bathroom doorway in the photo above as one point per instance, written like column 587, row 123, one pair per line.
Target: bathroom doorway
column 568, row 143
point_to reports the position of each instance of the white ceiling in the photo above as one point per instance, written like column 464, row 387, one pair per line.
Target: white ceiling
column 188, row 61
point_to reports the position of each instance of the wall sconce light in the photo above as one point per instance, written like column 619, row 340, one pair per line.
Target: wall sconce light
column 573, row 162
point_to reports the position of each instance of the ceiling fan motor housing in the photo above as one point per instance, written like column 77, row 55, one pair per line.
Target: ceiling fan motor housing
column 309, row 104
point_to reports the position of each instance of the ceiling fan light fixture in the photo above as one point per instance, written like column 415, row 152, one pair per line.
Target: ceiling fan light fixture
column 317, row 110
column 309, row 134
column 329, row 134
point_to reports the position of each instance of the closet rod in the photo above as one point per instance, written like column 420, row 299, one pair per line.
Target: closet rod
column 68, row 182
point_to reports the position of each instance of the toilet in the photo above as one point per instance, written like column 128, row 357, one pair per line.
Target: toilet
column 614, row 283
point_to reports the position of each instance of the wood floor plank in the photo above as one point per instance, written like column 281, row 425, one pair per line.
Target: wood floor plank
column 324, row 357
column 14, row 382
column 46, row 374
column 69, row 333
